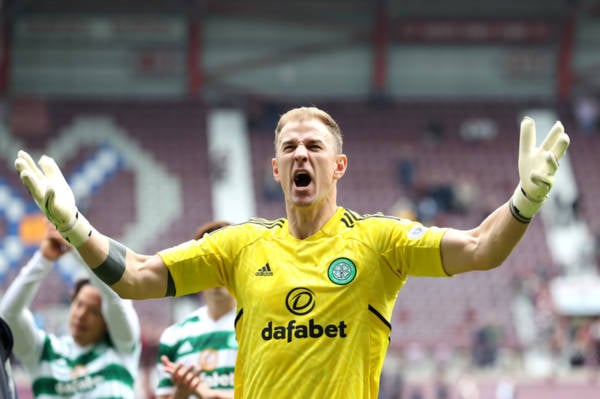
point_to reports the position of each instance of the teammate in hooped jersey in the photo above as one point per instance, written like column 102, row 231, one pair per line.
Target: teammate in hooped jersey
column 196, row 355
column 99, row 358
column 315, row 323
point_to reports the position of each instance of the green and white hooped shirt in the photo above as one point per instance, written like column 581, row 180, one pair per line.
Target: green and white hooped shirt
column 199, row 340
column 66, row 369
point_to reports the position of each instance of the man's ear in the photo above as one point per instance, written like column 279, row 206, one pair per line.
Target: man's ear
column 340, row 166
column 275, row 169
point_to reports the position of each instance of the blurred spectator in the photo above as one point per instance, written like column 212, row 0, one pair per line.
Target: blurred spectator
column 417, row 393
column 434, row 131
column 486, row 343
column 427, row 210
column 433, row 195
column 581, row 344
column 442, row 390
column 392, row 385
column 467, row 388
column 478, row 129
column 406, row 167
column 455, row 194
column 506, row 389
column 442, row 194
column 586, row 114
column 595, row 341
column 466, row 326
column 404, row 208
column 465, row 194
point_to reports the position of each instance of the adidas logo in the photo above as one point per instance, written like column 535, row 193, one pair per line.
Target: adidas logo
column 264, row 271
column 185, row 348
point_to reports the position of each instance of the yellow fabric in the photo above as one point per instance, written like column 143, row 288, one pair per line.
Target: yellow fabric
column 313, row 315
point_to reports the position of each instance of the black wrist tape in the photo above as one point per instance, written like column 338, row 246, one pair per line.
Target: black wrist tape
column 517, row 214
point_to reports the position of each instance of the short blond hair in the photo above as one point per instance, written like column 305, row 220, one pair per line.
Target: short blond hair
column 302, row 114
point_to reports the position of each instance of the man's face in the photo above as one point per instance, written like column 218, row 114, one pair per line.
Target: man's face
column 306, row 163
column 85, row 317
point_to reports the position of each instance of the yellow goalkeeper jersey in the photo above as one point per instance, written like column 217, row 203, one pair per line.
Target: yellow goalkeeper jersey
column 314, row 315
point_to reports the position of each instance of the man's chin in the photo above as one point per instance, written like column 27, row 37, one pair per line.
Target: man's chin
column 302, row 202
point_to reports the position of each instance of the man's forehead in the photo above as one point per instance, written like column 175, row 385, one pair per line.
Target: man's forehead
column 304, row 127
column 89, row 294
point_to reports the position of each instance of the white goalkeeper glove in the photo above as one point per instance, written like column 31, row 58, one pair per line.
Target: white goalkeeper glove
column 53, row 196
column 537, row 167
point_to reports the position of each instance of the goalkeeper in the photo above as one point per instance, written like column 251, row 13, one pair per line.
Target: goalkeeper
column 315, row 290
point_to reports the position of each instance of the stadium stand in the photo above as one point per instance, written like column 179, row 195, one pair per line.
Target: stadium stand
column 173, row 134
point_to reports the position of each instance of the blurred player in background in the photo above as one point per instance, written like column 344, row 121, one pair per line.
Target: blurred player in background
column 99, row 358
column 197, row 355
column 7, row 383
column 315, row 291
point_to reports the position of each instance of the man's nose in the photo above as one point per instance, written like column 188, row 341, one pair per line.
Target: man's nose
column 80, row 312
column 301, row 153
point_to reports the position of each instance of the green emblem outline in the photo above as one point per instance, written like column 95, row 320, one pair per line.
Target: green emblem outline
column 333, row 272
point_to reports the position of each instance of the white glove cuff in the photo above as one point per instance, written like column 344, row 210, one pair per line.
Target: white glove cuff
column 78, row 232
column 522, row 208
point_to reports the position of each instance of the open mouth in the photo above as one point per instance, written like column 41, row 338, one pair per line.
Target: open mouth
column 302, row 179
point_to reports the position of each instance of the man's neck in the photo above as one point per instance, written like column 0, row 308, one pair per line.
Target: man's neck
column 305, row 221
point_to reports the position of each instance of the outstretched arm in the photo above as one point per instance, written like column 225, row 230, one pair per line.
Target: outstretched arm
column 14, row 307
column 130, row 274
column 490, row 243
column 28, row 339
column 484, row 247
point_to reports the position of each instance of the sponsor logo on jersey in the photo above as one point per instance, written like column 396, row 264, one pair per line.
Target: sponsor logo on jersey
column 264, row 271
column 296, row 330
column 83, row 384
column 301, row 301
column 80, row 381
column 341, row 271
column 216, row 380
